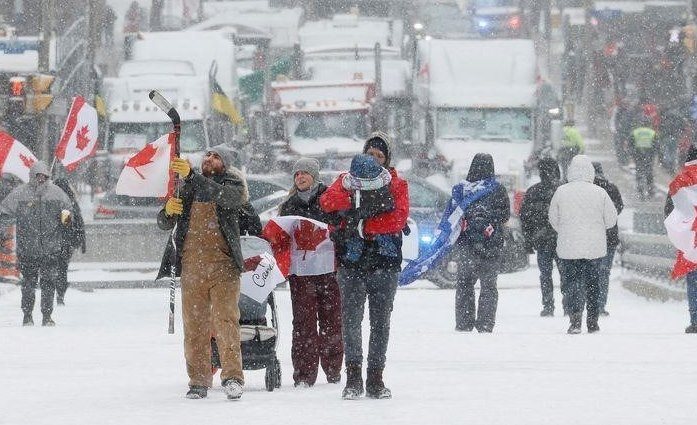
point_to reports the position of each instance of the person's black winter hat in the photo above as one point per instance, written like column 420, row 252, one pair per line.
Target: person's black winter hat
column 482, row 167
column 549, row 169
column 381, row 142
column 691, row 154
column 598, row 169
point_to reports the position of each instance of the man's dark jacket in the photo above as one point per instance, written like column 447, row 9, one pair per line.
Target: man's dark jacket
column 229, row 192
column 534, row 213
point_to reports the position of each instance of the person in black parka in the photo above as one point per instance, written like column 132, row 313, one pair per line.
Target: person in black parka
column 612, row 233
column 539, row 234
column 479, row 248
column 73, row 238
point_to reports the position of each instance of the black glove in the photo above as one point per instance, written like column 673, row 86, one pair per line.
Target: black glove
column 375, row 202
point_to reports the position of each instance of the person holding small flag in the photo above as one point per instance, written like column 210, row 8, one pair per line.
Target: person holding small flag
column 209, row 260
column 681, row 216
column 373, row 202
column 315, row 297
column 41, row 210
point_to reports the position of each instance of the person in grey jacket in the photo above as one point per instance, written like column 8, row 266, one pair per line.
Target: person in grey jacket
column 581, row 212
column 41, row 210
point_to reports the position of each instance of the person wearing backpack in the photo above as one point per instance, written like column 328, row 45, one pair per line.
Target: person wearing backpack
column 478, row 249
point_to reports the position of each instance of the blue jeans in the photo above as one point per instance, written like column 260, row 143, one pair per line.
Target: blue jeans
column 379, row 287
column 545, row 262
column 605, row 267
column 582, row 276
column 692, row 296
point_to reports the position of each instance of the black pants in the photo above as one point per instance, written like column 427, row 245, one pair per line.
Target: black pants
column 44, row 271
column 379, row 287
column 583, row 285
column 470, row 269
column 644, row 172
column 62, row 281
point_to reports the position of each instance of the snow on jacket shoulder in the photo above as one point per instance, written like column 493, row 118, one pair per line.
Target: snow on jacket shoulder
column 581, row 212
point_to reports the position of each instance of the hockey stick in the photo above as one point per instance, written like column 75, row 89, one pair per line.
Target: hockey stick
column 172, row 113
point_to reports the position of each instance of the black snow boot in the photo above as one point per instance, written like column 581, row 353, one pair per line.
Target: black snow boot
column 692, row 329
column 354, row 382
column 28, row 320
column 592, row 325
column 547, row 311
column 197, row 391
column 374, row 387
column 575, row 327
column 47, row 321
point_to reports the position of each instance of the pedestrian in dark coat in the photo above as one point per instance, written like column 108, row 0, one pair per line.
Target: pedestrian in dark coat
column 73, row 238
column 612, row 234
column 479, row 248
column 369, row 252
column 539, row 234
column 209, row 259
column 42, row 211
column 316, row 300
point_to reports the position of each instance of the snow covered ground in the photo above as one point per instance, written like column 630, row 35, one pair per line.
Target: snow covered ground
column 111, row 361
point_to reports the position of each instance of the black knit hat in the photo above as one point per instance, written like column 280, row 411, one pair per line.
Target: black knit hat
column 381, row 142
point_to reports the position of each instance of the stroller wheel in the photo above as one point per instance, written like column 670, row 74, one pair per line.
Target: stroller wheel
column 273, row 376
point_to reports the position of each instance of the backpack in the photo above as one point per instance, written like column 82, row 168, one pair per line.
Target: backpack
column 482, row 237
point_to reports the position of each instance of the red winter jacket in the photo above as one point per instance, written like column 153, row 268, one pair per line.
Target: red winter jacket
column 336, row 199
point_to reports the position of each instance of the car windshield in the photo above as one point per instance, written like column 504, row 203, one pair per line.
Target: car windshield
column 131, row 137
column 484, row 124
column 445, row 18
column 350, row 124
column 424, row 196
column 493, row 3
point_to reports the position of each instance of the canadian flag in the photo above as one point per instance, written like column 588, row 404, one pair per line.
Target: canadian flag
column 146, row 174
column 15, row 158
column 261, row 276
column 79, row 139
column 681, row 224
column 301, row 245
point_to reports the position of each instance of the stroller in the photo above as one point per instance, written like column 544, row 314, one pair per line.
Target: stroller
column 257, row 339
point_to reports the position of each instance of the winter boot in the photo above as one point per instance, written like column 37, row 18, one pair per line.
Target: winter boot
column 47, row 321
column 354, row 382
column 28, row 320
column 592, row 325
column 547, row 311
column 692, row 329
column 196, row 392
column 60, row 301
column 575, row 327
column 233, row 389
column 374, row 387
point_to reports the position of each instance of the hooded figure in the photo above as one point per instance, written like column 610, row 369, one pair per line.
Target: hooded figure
column 38, row 209
column 539, row 234
column 581, row 212
column 374, row 203
column 478, row 250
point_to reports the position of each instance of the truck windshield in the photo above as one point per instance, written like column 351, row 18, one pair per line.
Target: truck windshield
column 493, row 3
column 132, row 137
column 323, row 125
column 483, row 124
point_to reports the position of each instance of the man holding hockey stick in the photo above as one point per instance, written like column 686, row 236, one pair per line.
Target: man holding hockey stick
column 209, row 259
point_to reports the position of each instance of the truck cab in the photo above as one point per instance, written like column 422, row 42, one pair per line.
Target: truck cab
column 135, row 121
column 326, row 120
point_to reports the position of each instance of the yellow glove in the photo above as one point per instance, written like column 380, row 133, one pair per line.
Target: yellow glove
column 65, row 217
column 174, row 206
column 181, row 166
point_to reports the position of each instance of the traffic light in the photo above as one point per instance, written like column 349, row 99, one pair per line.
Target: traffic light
column 17, row 91
column 41, row 96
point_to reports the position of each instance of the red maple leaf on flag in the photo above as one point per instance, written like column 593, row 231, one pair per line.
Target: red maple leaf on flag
column 144, row 157
column 308, row 236
column 26, row 160
column 81, row 138
column 251, row 263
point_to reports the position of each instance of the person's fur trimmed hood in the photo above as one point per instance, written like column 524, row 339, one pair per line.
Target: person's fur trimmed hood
column 238, row 174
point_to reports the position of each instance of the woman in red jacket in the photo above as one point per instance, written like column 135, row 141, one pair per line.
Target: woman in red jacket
column 374, row 204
